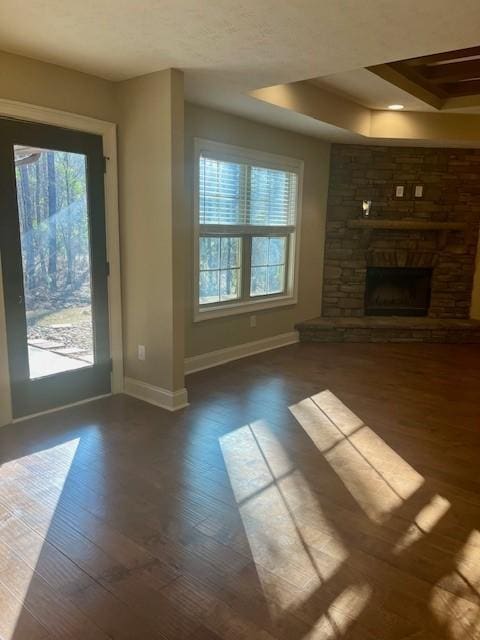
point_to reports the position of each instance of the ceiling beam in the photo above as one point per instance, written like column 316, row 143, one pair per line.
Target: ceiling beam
column 411, row 86
column 452, row 72
column 444, row 57
column 437, row 79
column 414, row 75
column 466, row 88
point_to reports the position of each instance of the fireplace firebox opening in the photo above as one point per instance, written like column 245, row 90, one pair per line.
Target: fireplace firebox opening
column 397, row 291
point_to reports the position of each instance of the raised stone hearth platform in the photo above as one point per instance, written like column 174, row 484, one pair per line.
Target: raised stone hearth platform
column 389, row 329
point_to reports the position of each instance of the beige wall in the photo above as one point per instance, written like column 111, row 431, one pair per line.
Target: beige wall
column 47, row 85
column 434, row 127
column 151, row 226
column 208, row 335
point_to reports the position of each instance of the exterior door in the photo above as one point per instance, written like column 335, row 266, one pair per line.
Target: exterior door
column 54, row 263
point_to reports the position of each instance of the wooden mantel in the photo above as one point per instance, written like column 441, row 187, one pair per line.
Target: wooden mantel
column 367, row 225
column 407, row 225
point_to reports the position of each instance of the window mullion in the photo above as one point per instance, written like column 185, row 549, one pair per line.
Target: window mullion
column 247, row 267
column 289, row 244
column 247, row 240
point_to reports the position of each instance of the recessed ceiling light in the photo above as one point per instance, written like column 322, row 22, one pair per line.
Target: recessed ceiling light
column 396, row 107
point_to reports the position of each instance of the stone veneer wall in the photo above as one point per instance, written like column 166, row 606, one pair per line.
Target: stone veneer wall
column 451, row 180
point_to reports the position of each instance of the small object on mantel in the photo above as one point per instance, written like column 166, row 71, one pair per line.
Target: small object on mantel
column 366, row 208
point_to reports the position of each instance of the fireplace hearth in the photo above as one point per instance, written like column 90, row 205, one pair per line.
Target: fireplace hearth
column 397, row 291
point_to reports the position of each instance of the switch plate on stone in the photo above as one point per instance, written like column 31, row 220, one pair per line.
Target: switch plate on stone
column 419, row 191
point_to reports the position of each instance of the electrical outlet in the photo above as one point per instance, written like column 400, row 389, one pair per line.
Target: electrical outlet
column 419, row 191
column 400, row 191
column 253, row 321
column 141, row 352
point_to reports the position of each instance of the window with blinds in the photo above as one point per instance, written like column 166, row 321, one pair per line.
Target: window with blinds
column 244, row 194
column 246, row 221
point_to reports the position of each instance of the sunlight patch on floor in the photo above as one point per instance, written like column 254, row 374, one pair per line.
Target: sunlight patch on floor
column 468, row 566
column 268, row 488
column 341, row 614
column 282, row 550
column 375, row 475
column 13, row 500
column 425, row 521
column 455, row 613
column 299, row 553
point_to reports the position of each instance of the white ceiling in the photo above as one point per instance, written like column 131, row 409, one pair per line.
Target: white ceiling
column 229, row 47
column 369, row 90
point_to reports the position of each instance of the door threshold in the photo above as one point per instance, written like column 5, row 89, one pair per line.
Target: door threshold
column 55, row 409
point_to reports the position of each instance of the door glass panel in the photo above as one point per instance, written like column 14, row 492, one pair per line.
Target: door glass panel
column 55, row 244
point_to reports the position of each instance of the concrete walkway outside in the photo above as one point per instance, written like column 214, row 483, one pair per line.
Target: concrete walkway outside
column 45, row 363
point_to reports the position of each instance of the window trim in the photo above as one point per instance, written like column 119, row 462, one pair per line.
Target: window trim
column 240, row 306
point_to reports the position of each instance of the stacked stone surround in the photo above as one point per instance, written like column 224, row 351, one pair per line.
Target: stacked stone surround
column 451, row 180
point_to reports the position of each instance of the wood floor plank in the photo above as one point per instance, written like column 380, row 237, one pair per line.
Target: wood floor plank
column 51, row 608
column 16, row 621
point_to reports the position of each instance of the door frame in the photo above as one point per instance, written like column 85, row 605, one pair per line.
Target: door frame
column 108, row 132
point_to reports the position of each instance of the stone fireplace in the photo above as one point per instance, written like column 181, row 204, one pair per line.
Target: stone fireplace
column 416, row 254
column 406, row 273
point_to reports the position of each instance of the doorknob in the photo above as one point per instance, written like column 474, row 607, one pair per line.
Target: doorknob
column 20, row 299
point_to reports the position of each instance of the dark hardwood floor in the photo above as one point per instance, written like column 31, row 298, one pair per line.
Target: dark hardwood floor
column 313, row 492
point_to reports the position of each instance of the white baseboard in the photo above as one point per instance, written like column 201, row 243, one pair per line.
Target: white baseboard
column 221, row 356
column 170, row 400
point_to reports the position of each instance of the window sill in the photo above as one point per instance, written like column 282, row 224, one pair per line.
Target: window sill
column 239, row 308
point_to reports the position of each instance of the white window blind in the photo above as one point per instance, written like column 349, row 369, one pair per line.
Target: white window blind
column 236, row 193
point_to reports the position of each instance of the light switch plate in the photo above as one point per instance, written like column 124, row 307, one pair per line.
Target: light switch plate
column 419, row 191
column 399, row 191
